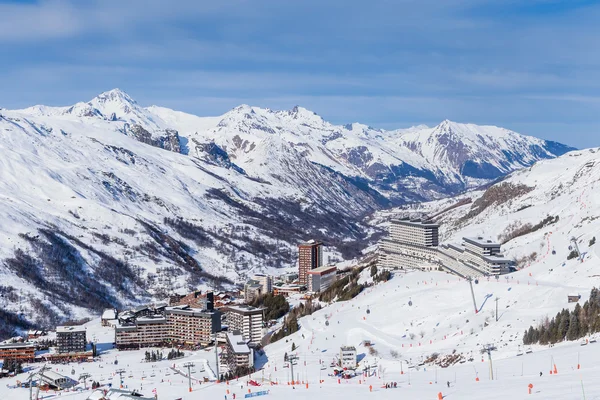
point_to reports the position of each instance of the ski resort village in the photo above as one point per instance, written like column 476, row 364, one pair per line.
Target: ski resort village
column 147, row 253
column 488, row 294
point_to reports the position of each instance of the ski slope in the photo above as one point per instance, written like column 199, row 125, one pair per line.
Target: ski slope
column 442, row 319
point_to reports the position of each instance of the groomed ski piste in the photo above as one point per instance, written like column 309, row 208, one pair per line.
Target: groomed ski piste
column 440, row 320
column 417, row 314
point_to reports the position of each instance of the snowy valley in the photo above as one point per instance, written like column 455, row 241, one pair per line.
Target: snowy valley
column 106, row 203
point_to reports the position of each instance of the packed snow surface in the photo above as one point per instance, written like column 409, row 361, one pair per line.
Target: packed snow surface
column 414, row 314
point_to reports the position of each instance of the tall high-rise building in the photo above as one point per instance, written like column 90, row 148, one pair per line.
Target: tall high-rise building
column 265, row 281
column 310, row 256
column 248, row 320
column 414, row 244
column 411, row 244
column 70, row 339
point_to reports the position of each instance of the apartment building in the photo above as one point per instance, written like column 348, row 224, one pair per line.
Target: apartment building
column 265, row 282
column 177, row 324
column 192, row 325
column 310, row 256
column 485, row 255
column 70, row 339
column 195, row 299
column 24, row 352
column 417, row 232
column 249, row 321
column 319, row 279
column 237, row 352
column 411, row 244
column 414, row 244
column 348, row 357
column 252, row 291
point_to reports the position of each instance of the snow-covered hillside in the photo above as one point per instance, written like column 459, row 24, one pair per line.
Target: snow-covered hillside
column 534, row 212
column 417, row 316
column 418, row 163
column 107, row 203
column 441, row 321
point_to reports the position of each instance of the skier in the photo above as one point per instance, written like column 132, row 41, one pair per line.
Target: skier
column 541, row 373
column 448, row 383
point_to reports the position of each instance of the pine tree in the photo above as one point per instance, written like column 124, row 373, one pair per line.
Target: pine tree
column 373, row 271
column 544, row 335
column 563, row 326
column 573, row 331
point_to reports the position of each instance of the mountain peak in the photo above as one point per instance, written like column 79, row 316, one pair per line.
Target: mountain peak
column 446, row 124
column 114, row 95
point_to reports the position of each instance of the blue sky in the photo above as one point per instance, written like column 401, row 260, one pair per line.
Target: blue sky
column 532, row 66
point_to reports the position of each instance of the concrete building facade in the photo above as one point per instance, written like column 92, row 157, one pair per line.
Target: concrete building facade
column 319, row 279
column 237, row 353
column 265, row 282
column 414, row 244
column 310, row 256
column 252, row 290
column 348, row 357
column 177, row 324
column 71, row 339
column 249, row 321
column 17, row 351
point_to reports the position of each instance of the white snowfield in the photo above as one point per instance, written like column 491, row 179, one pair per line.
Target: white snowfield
column 79, row 171
column 245, row 129
column 45, row 173
column 565, row 187
column 440, row 320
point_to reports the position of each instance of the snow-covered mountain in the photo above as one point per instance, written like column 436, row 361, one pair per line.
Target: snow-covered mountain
column 106, row 202
column 535, row 212
column 413, row 164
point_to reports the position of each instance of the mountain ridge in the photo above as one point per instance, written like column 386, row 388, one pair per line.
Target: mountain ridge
column 149, row 200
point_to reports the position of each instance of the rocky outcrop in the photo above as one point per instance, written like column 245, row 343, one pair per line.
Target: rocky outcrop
column 169, row 141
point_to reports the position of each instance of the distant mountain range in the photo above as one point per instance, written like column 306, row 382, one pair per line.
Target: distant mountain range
column 106, row 202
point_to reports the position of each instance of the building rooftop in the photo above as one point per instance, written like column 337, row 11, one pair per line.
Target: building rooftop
column 140, row 308
column 70, row 329
column 109, row 313
column 244, row 309
column 311, row 242
column 291, row 287
column 187, row 310
column 16, row 345
column 237, row 342
column 52, row 375
column 454, row 246
column 416, row 222
column 497, row 259
column 481, row 242
column 322, row 270
column 151, row 320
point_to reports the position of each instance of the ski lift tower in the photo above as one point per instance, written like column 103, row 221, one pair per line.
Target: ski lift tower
column 30, row 378
column 574, row 241
column 470, row 279
column 488, row 349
